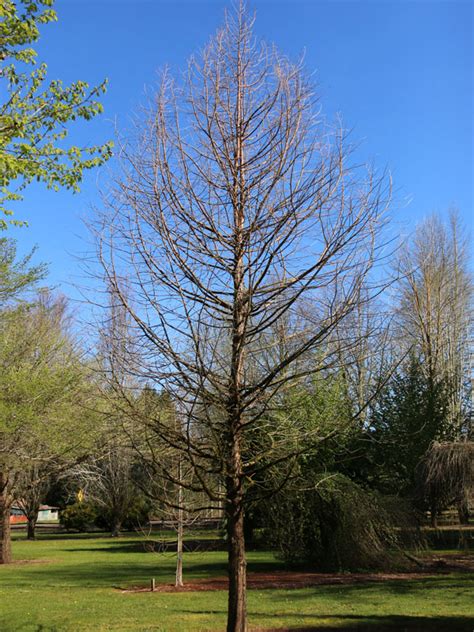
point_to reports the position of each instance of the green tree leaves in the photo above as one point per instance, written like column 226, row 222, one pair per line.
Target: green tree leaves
column 35, row 114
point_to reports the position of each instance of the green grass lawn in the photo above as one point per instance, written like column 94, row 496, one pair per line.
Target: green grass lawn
column 66, row 583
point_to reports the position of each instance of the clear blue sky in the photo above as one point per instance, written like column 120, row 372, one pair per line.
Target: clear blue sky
column 400, row 72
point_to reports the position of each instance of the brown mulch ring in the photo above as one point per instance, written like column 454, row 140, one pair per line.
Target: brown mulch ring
column 286, row 580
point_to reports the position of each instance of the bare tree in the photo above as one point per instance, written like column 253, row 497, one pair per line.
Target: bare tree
column 107, row 481
column 174, row 505
column 366, row 354
column 235, row 203
column 435, row 311
column 34, row 481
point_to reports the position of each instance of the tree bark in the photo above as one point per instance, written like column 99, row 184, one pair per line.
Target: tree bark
column 116, row 529
column 463, row 511
column 179, row 554
column 237, row 604
column 237, row 565
column 179, row 544
column 5, row 540
column 31, row 529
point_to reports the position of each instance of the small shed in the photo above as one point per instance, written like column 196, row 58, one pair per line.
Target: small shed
column 48, row 514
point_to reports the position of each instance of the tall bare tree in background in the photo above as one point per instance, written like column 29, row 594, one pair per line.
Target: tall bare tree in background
column 435, row 311
column 366, row 353
column 235, row 204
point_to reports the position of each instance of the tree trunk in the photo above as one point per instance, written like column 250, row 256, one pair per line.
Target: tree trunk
column 116, row 529
column 179, row 554
column 31, row 528
column 463, row 511
column 179, row 544
column 434, row 517
column 237, row 565
column 5, row 540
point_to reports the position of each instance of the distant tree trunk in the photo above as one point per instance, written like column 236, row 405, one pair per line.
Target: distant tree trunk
column 179, row 544
column 179, row 558
column 116, row 527
column 31, row 527
column 5, row 540
column 31, row 511
column 463, row 511
column 434, row 517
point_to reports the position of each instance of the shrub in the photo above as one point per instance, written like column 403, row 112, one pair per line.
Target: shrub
column 337, row 525
column 78, row 517
column 135, row 517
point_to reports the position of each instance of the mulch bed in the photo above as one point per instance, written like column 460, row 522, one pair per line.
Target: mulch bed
column 287, row 580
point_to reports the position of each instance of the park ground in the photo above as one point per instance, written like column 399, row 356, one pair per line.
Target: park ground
column 66, row 583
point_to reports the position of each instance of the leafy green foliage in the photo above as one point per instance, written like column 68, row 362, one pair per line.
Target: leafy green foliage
column 16, row 276
column 135, row 517
column 409, row 415
column 329, row 518
column 40, row 378
column 88, row 515
column 46, row 415
column 34, row 116
column 311, row 422
column 78, row 517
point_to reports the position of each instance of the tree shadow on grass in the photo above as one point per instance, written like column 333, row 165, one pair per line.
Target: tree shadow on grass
column 20, row 536
column 31, row 627
column 353, row 622
column 385, row 623
column 156, row 546
column 114, row 575
column 398, row 587
column 115, row 546
column 121, row 574
column 342, row 623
